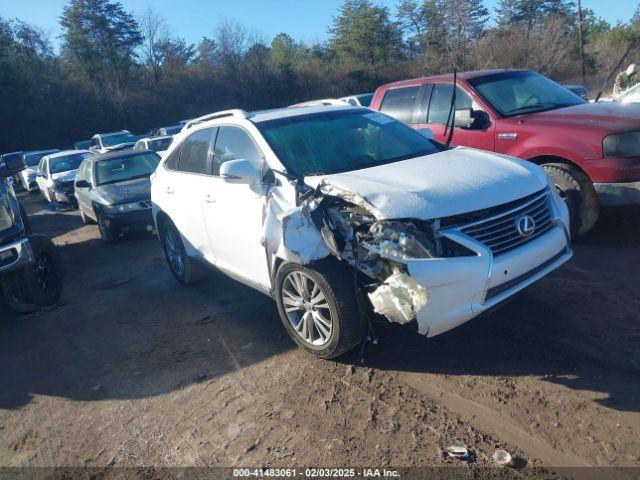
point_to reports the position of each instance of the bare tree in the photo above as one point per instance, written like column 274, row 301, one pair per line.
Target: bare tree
column 154, row 30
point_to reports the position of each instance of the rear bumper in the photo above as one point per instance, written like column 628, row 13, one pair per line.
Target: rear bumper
column 618, row 194
column 15, row 255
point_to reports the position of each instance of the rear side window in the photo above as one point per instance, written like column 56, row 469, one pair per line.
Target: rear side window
column 196, row 152
column 400, row 102
column 234, row 143
column 441, row 102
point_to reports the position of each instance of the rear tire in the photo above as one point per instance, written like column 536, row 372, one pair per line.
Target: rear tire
column 334, row 323
column 577, row 191
column 185, row 269
column 38, row 285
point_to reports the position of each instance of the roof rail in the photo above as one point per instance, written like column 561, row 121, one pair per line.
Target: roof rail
column 211, row 116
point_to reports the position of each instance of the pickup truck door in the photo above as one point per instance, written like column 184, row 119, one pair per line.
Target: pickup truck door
column 433, row 111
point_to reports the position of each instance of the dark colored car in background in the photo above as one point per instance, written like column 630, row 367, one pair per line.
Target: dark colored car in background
column 114, row 191
column 30, row 274
column 82, row 145
column 579, row 90
column 590, row 150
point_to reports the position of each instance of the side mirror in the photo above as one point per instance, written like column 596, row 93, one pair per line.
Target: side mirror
column 470, row 119
column 426, row 132
column 240, row 171
column 83, row 184
column 11, row 164
column 463, row 118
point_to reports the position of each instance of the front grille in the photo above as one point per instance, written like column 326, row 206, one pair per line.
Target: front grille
column 145, row 204
column 499, row 230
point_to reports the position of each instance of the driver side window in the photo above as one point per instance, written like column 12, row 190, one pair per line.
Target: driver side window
column 233, row 143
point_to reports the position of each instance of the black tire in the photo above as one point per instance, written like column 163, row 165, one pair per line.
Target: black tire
column 185, row 269
column 38, row 285
column 336, row 283
column 107, row 233
column 577, row 191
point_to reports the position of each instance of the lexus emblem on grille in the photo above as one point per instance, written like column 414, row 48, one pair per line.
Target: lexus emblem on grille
column 526, row 225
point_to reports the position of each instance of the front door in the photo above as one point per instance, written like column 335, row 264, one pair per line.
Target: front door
column 435, row 112
column 233, row 211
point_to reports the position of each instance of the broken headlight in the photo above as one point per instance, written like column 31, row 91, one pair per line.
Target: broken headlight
column 412, row 240
column 402, row 240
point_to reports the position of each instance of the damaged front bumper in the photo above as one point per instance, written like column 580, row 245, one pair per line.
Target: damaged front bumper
column 460, row 289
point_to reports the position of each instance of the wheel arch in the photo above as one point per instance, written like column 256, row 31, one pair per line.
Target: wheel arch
column 543, row 159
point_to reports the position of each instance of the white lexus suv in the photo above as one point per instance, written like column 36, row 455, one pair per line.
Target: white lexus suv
column 340, row 214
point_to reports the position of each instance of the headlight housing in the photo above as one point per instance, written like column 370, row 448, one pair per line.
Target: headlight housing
column 412, row 240
column 622, row 145
column 124, row 208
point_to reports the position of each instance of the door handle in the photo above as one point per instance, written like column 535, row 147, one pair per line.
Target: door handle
column 169, row 190
column 210, row 199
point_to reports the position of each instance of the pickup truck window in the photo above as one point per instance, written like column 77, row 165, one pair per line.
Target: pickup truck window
column 400, row 102
column 515, row 93
column 441, row 102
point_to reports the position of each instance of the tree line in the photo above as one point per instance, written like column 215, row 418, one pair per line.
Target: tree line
column 115, row 70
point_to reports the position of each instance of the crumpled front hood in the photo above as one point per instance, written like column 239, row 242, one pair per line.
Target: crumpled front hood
column 30, row 171
column 452, row 182
column 64, row 176
column 124, row 192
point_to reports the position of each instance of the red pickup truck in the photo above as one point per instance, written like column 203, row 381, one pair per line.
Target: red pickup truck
column 590, row 150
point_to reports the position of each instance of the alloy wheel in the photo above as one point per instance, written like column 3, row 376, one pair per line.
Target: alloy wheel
column 45, row 273
column 174, row 253
column 307, row 308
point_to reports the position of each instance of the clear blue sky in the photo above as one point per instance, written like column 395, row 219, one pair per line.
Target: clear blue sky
column 303, row 19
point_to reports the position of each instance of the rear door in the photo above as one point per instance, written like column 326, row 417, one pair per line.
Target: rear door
column 183, row 188
column 434, row 113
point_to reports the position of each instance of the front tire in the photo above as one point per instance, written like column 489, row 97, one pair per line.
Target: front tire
column 318, row 307
column 38, row 285
column 577, row 191
column 107, row 233
column 185, row 269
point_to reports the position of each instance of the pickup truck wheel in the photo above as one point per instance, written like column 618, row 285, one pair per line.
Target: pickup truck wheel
column 318, row 307
column 577, row 191
column 106, row 233
column 38, row 285
column 185, row 269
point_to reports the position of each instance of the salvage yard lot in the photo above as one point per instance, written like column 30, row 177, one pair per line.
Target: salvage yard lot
column 132, row 369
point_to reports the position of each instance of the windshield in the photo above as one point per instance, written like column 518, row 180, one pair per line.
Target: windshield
column 32, row 159
column 125, row 168
column 159, row 145
column 515, row 93
column 66, row 163
column 111, row 140
column 340, row 141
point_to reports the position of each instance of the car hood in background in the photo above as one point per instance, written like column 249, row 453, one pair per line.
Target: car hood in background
column 452, row 182
column 124, row 192
column 64, row 176
column 30, row 171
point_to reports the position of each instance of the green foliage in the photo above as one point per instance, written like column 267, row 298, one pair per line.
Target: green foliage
column 115, row 71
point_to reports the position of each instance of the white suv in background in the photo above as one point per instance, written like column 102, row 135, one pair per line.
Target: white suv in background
column 338, row 211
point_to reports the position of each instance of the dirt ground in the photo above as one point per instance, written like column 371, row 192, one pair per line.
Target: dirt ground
column 132, row 369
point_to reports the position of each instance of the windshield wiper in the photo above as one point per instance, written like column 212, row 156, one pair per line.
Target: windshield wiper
column 538, row 106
